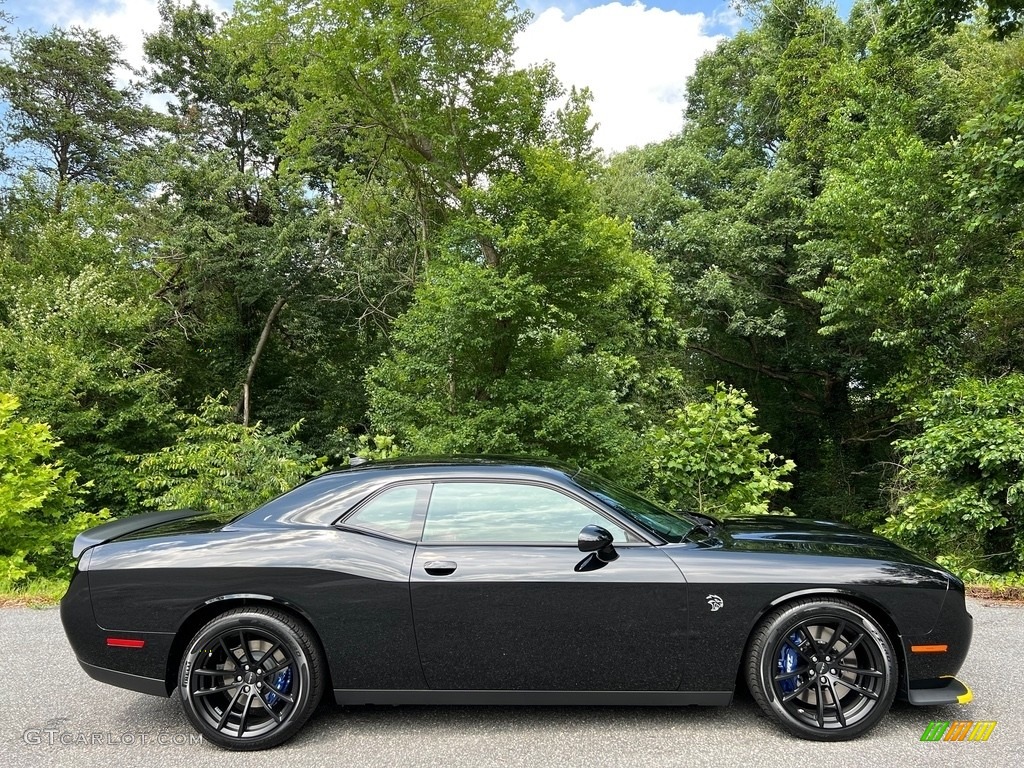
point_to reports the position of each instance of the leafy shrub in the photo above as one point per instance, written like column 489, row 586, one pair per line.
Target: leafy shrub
column 710, row 458
column 481, row 364
column 72, row 349
column 40, row 501
column 219, row 465
column 959, row 490
column 378, row 447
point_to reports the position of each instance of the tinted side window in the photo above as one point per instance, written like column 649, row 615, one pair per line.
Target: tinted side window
column 321, row 499
column 396, row 512
column 508, row 512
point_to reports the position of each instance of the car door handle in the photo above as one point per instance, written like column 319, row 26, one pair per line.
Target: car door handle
column 439, row 567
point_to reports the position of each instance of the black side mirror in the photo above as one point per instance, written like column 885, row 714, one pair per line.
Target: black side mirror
column 594, row 538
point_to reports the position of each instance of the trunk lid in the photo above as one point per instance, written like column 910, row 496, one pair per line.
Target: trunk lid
column 148, row 524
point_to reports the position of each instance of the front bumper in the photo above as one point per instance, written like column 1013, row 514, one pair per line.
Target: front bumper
column 941, row 690
column 933, row 659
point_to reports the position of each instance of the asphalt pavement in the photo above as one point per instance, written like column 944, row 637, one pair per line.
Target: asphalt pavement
column 52, row 714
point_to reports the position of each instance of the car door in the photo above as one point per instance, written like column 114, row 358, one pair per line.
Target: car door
column 499, row 602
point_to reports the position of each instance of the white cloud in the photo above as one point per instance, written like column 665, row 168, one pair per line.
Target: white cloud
column 127, row 20
column 635, row 60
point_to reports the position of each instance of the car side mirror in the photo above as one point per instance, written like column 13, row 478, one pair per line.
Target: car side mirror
column 594, row 538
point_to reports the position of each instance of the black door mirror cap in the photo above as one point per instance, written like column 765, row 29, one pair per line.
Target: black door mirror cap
column 594, row 538
column 597, row 541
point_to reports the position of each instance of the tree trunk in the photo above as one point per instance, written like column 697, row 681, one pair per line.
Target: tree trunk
column 251, row 372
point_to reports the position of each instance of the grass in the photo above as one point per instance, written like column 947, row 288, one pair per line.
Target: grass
column 988, row 592
column 37, row 593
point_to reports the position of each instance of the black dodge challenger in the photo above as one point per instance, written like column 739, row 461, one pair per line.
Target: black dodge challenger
column 494, row 581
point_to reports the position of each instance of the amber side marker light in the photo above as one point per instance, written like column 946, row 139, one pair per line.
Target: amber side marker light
column 929, row 648
column 125, row 642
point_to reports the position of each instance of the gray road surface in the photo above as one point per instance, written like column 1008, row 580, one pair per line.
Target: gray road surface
column 52, row 714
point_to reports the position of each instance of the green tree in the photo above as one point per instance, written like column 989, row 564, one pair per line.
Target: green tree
column 250, row 255
column 41, row 508
column 425, row 92
column 73, row 350
column 536, row 349
column 79, row 326
column 725, row 205
column 905, row 263
column 917, row 18
column 709, row 457
column 63, row 105
column 78, row 322
column 959, row 490
column 221, row 466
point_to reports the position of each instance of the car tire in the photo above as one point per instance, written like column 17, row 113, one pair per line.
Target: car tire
column 822, row 668
column 251, row 678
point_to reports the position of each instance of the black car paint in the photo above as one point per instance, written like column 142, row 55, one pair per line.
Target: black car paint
column 509, row 624
column 522, row 618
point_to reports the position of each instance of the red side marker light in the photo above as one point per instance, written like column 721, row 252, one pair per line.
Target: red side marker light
column 124, row 642
column 929, row 648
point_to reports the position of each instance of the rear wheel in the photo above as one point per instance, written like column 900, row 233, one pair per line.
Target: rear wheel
column 251, row 678
column 822, row 668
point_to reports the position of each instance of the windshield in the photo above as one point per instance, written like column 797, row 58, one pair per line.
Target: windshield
column 669, row 525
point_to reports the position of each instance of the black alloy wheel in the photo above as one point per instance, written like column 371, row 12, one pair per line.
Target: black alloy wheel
column 822, row 668
column 251, row 678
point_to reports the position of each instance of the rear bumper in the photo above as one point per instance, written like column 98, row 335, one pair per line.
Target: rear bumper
column 143, row 668
column 150, row 685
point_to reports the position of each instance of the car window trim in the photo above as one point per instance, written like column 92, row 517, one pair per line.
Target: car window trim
column 646, row 539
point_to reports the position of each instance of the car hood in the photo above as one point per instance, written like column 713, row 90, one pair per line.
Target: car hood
column 776, row 533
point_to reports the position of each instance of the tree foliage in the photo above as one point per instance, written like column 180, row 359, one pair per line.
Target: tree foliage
column 841, row 217
column 63, row 104
column 376, row 234
column 960, row 487
column 916, row 19
column 221, row 466
column 41, row 508
column 78, row 327
column 725, row 206
column 534, row 349
column 709, row 457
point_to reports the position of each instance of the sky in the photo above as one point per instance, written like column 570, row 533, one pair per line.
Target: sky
column 634, row 56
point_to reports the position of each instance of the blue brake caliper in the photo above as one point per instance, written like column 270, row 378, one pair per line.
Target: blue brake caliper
column 282, row 682
column 787, row 663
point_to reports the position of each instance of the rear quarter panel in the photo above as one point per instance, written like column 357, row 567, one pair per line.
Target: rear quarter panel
column 352, row 589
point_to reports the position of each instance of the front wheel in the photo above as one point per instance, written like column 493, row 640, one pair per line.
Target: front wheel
column 251, row 678
column 822, row 668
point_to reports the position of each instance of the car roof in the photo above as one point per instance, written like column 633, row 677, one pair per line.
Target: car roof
column 487, row 464
column 318, row 500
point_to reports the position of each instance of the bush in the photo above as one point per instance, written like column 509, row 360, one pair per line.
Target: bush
column 221, row 466
column 709, row 457
column 40, row 501
column 959, row 490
